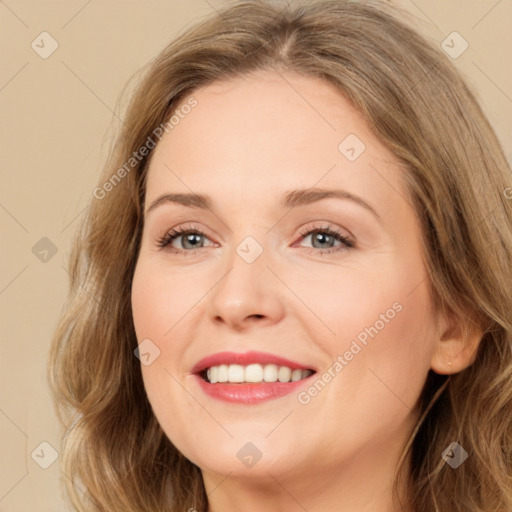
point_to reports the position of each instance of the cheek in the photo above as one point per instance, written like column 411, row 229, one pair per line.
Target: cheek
column 385, row 363
column 395, row 335
column 156, row 308
column 159, row 300
column 381, row 323
column 383, row 300
column 167, row 397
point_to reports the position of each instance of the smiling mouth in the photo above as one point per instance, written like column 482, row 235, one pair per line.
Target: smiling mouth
column 253, row 374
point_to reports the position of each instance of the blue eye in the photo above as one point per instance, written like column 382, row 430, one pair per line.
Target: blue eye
column 191, row 237
column 328, row 235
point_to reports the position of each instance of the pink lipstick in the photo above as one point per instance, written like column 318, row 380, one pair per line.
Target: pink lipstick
column 250, row 377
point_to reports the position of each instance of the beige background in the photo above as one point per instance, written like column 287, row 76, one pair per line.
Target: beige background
column 55, row 122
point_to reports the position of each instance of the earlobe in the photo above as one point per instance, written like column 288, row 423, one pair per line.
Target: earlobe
column 456, row 345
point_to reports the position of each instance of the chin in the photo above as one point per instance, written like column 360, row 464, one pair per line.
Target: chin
column 251, row 456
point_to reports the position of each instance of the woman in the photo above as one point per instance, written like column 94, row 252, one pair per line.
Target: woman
column 213, row 357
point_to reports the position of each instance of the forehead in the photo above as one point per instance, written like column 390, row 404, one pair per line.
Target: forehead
column 269, row 131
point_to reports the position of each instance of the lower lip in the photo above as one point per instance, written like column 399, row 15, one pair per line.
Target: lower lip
column 248, row 393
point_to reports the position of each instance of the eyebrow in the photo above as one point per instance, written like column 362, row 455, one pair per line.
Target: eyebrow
column 290, row 200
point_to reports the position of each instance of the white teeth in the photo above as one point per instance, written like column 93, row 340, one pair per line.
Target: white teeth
column 235, row 373
column 270, row 373
column 222, row 376
column 284, row 374
column 254, row 373
column 296, row 375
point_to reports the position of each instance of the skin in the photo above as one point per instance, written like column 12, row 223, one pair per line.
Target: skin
column 247, row 142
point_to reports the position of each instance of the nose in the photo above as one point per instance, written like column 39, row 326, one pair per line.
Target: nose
column 247, row 294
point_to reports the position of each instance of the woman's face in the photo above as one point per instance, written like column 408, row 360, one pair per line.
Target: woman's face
column 253, row 292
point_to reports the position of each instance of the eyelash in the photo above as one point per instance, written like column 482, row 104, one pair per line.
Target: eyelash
column 170, row 236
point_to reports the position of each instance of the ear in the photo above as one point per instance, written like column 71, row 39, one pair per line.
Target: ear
column 456, row 342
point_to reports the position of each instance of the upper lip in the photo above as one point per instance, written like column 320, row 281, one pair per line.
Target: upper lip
column 246, row 358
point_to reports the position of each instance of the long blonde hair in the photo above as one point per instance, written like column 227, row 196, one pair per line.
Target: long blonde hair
column 115, row 454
